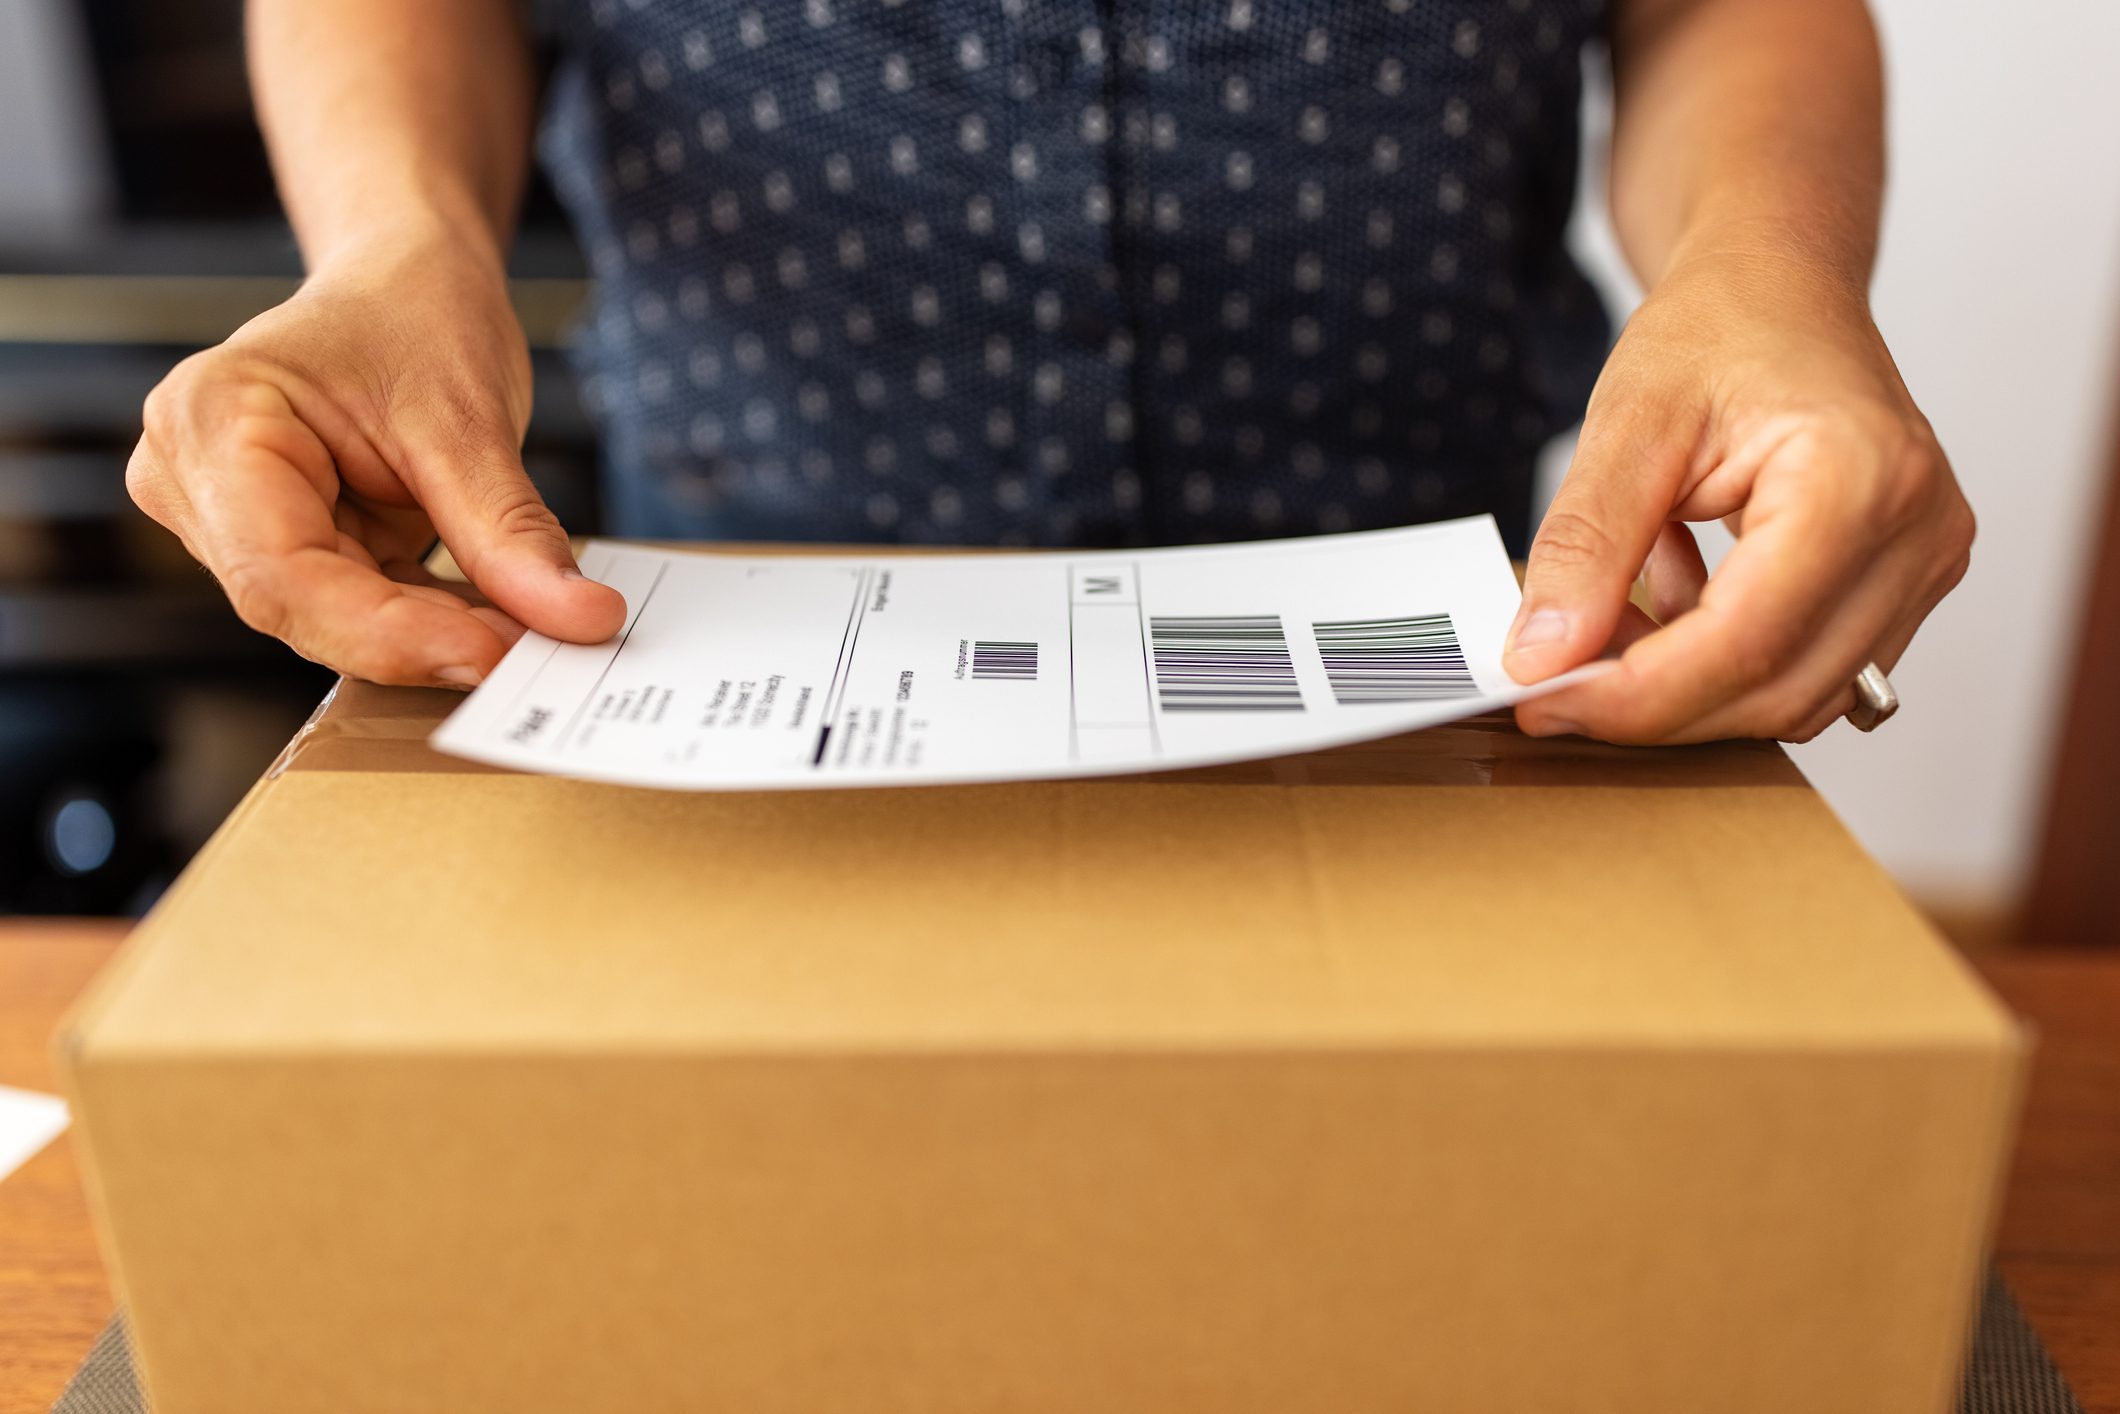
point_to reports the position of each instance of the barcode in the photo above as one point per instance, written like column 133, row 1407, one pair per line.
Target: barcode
column 1224, row 665
column 1394, row 660
column 1003, row 660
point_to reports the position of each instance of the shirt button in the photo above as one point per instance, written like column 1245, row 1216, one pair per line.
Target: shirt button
column 1054, row 61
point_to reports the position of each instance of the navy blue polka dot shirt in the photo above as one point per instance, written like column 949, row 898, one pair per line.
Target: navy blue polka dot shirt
column 1073, row 272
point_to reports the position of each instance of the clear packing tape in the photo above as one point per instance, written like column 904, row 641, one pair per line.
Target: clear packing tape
column 361, row 727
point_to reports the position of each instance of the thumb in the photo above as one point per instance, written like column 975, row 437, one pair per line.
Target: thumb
column 508, row 542
column 1596, row 535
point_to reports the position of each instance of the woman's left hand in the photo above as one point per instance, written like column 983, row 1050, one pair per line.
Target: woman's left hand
column 1750, row 390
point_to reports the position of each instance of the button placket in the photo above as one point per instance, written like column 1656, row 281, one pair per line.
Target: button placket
column 1060, row 182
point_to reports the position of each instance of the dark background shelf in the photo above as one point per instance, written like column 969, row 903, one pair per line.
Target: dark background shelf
column 134, row 707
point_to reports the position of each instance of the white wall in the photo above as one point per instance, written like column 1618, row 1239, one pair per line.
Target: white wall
column 1999, row 292
column 52, row 179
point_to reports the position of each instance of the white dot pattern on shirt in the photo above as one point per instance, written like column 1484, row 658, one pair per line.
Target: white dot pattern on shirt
column 1314, row 222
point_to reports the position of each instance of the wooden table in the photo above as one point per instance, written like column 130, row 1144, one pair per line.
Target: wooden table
column 54, row 1297
column 2059, row 1247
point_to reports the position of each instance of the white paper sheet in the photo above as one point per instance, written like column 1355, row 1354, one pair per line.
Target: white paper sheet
column 28, row 1122
column 744, row 672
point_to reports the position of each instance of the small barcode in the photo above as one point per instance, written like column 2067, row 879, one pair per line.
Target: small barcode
column 1224, row 665
column 1394, row 660
column 1002, row 660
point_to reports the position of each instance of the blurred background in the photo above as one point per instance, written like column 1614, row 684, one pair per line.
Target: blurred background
column 137, row 223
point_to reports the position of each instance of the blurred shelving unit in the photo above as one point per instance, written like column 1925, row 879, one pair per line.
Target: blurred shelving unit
column 140, row 226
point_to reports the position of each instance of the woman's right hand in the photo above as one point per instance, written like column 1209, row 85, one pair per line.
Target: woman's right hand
column 310, row 460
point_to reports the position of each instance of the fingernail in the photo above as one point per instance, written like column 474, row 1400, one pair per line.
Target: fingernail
column 1557, row 728
column 1544, row 627
column 460, row 677
column 572, row 574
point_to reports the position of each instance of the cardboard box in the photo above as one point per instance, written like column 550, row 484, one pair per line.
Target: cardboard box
column 1459, row 1072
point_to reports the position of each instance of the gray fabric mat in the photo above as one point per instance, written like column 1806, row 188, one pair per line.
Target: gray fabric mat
column 2009, row 1371
column 104, row 1383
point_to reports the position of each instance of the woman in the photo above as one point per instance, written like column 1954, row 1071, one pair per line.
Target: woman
column 1087, row 272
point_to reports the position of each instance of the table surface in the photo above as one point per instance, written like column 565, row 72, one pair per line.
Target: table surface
column 2059, row 1244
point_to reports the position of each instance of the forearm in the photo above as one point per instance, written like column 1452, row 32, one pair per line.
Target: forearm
column 394, row 120
column 1751, row 129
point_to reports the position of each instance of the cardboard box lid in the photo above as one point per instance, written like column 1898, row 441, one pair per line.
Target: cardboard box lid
column 1461, row 887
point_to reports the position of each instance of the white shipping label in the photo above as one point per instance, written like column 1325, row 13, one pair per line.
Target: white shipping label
column 28, row 1122
column 762, row 673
